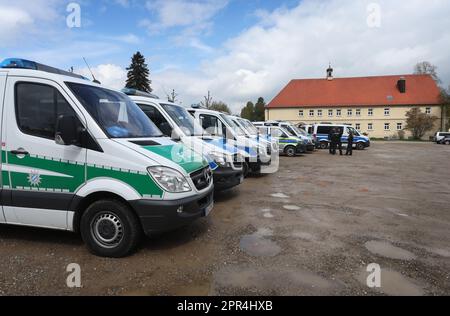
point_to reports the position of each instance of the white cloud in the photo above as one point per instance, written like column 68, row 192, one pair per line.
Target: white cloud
column 128, row 39
column 109, row 75
column 172, row 13
column 193, row 17
column 299, row 43
column 22, row 17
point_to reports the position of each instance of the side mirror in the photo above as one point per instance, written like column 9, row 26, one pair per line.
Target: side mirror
column 66, row 131
column 175, row 136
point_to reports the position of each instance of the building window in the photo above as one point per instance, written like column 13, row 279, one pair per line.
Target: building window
column 358, row 112
column 300, row 113
column 370, row 127
column 311, row 113
column 358, row 126
column 370, row 112
column 350, row 112
column 330, row 113
column 399, row 126
column 338, row 113
column 387, row 111
column 428, row 110
column 387, row 126
column 319, row 112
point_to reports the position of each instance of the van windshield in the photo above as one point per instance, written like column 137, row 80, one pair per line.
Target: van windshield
column 114, row 112
column 249, row 127
column 184, row 120
column 233, row 125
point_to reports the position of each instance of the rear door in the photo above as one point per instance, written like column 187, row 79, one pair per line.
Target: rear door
column 44, row 176
column 4, row 176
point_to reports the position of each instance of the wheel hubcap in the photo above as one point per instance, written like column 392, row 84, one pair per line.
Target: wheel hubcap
column 107, row 230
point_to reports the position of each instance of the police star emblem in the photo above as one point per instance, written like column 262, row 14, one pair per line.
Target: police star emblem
column 34, row 178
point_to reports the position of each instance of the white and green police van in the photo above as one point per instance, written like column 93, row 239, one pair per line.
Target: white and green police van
column 78, row 157
column 175, row 121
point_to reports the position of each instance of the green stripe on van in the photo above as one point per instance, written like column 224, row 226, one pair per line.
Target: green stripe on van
column 73, row 176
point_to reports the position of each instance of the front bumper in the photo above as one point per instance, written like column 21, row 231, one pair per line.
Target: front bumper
column 227, row 178
column 163, row 216
column 301, row 149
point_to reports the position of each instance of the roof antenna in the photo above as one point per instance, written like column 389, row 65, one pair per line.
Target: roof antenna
column 92, row 74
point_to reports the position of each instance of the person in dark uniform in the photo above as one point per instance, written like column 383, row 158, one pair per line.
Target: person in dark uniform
column 339, row 133
column 350, row 144
column 333, row 141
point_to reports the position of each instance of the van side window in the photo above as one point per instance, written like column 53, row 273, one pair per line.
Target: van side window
column 212, row 125
column 324, row 130
column 157, row 118
column 37, row 108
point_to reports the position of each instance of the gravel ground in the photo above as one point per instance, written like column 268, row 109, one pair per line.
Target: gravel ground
column 311, row 229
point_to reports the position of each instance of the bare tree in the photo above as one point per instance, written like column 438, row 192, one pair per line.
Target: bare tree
column 426, row 68
column 207, row 102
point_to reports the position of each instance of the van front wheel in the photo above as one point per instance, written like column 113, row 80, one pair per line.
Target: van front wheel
column 360, row 146
column 110, row 229
column 290, row 151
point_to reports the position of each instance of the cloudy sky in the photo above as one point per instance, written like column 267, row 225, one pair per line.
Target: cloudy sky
column 237, row 49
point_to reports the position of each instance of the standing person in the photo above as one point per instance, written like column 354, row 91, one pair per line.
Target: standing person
column 350, row 144
column 339, row 133
column 332, row 138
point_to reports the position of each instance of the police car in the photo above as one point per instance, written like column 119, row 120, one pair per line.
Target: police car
column 79, row 157
column 321, row 133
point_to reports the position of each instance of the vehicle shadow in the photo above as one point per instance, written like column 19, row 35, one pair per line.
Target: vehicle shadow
column 176, row 238
column 41, row 235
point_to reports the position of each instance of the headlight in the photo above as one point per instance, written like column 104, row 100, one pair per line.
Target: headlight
column 220, row 159
column 169, row 179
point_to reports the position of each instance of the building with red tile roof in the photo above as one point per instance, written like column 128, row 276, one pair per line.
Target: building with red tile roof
column 374, row 105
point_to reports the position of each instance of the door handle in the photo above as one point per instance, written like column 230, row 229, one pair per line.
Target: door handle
column 20, row 152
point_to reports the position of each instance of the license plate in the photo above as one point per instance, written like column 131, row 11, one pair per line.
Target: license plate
column 209, row 209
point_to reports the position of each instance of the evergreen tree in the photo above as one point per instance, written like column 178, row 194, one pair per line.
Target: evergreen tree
column 260, row 110
column 249, row 111
column 138, row 73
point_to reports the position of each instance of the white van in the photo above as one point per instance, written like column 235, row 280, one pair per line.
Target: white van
column 79, row 157
column 220, row 124
column 322, row 131
column 176, row 122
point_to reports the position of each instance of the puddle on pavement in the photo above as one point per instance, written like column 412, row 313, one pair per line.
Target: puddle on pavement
column 280, row 196
column 394, row 284
column 258, row 244
column 268, row 215
column 387, row 250
column 291, row 208
column 287, row 282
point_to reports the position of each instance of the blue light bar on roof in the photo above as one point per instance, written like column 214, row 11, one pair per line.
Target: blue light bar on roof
column 18, row 63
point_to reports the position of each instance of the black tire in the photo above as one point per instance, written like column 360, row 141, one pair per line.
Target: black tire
column 245, row 169
column 290, row 151
column 323, row 145
column 360, row 146
column 110, row 229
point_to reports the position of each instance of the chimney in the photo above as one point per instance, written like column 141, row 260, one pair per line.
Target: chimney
column 401, row 85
